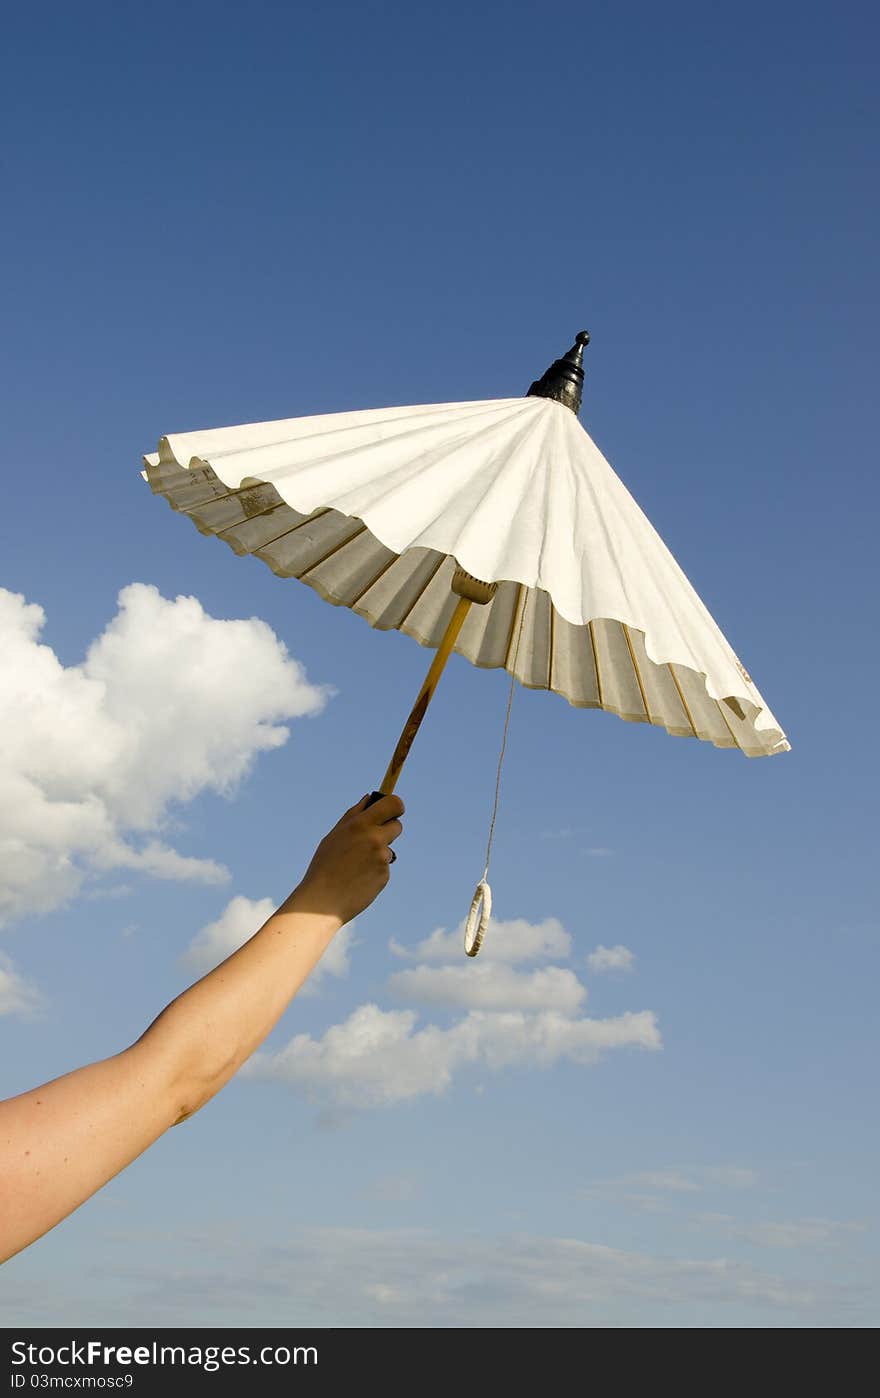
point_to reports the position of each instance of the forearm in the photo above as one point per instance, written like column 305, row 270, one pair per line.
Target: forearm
column 204, row 1036
column 60, row 1142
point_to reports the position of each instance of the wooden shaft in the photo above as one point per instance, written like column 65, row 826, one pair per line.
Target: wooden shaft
column 426, row 694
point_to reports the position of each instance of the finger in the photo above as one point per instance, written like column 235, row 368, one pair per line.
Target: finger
column 382, row 835
column 386, row 809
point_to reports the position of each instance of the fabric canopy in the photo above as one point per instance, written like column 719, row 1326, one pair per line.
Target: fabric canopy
column 375, row 509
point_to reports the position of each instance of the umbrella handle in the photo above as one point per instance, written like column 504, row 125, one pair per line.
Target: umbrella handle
column 425, row 695
column 469, row 590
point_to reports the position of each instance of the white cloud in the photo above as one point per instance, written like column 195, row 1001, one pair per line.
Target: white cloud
column 363, row 1277
column 394, row 1189
column 655, row 1190
column 101, row 893
column 515, row 1018
column 512, row 941
column 336, row 960
column 399, row 1276
column 798, row 1233
column 239, row 920
column 729, row 1176
column 617, row 958
column 672, row 1180
column 169, row 702
column 17, row 995
column 793, row 1233
column 159, row 860
column 488, row 986
column 644, row 1189
column 378, row 1057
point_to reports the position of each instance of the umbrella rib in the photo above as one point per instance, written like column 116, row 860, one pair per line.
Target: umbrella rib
column 228, row 492
column 552, row 641
column 291, row 529
column 719, row 706
column 404, row 413
column 167, row 494
column 635, row 664
column 596, row 664
column 684, row 702
column 381, row 573
column 516, row 609
column 340, row 544
column 420, row 595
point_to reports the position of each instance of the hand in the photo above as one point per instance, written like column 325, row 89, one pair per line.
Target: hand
column 350, row 866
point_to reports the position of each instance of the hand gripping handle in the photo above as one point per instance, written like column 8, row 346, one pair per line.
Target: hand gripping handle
column 374, row 797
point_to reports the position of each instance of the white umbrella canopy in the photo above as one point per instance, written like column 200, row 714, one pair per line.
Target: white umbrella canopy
column 381, row 510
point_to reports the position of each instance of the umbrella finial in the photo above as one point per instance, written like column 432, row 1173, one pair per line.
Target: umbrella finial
column 564, row 380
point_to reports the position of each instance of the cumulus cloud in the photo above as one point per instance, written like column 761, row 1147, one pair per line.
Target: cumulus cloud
column 378, row 1057
column 169, row 702
column 512, row 941
column 336, row 960
column 515, row 1018
column 490, row 987
column 617, row 958
column 239, row 920
column 17, row 995
column 491, row 983
column 159, row 860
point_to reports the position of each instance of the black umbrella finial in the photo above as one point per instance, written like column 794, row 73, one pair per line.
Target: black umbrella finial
column 564, row 380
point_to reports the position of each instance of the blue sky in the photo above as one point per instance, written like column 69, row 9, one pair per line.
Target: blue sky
column 221, row 215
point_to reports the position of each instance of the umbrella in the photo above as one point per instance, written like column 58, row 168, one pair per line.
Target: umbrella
column 494, row 528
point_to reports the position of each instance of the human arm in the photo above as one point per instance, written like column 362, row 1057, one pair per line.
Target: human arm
column 61, row 1142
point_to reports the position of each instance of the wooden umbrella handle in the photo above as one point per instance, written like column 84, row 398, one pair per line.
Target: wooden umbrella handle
column 425, row 695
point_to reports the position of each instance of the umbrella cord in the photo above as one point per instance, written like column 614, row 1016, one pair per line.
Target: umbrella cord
column 481, row 907
column 504, row 738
